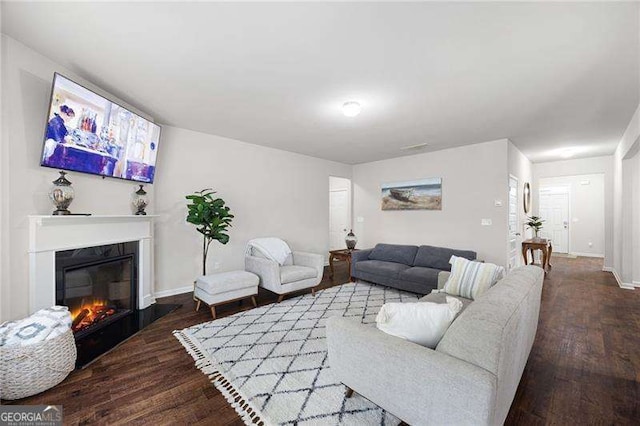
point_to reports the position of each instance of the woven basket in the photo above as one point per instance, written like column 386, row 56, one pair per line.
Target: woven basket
column 28, row 370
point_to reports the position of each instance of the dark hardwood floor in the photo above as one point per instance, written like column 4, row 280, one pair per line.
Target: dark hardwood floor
column 584, row 367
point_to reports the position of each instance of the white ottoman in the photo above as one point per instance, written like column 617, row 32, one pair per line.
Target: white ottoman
column 216, row 289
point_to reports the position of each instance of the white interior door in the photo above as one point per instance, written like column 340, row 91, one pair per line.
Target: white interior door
column 515, row 239
column 338, row 218
column 554, row 209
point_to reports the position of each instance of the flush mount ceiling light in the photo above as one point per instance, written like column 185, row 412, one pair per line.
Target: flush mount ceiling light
column 351, row 109
column 568, row 152
column 414, row 147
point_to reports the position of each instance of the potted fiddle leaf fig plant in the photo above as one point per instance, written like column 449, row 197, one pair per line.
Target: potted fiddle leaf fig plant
column 211, row 217
column 535, row 223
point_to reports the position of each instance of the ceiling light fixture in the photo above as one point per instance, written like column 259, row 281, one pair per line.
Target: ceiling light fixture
column 567, row 153
column 351, row 109
column 414, row 147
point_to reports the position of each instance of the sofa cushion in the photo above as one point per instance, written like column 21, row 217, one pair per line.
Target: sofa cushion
column 379, row 267
column 441, row 297
column 438, row 257
column 394, row 253
column 499, row 327
column 293, row 273
column 418, row 274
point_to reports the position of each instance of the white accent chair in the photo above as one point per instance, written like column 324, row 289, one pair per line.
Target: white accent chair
column 300, row 271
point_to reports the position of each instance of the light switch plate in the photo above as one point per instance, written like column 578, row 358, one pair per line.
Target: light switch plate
column 359, row 219
column 485, row 222
column 497, row 203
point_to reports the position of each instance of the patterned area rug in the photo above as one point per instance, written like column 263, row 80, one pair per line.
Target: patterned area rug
column 271, row 362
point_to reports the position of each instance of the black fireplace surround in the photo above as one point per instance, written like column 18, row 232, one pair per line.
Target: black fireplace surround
column 99, row 285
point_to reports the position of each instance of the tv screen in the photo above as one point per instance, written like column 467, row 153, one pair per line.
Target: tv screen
column 90, row 134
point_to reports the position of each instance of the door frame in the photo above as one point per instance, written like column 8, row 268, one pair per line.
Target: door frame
column 554, row 189
column 518, row 234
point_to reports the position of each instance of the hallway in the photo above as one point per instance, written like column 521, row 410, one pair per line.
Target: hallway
column 584, row 367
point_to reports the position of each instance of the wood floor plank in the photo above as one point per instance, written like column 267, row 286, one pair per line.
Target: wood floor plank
column 584, row 367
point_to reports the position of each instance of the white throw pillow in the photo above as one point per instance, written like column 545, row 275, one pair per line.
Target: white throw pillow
column 470, row 279
column 423, row 323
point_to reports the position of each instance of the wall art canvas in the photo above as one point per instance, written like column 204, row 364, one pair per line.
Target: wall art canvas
column 420, row 194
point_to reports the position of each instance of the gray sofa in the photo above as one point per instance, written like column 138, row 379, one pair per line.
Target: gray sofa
column 409, row 268
column 469, row 379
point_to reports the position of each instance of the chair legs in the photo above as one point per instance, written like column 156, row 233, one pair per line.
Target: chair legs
column 348, row 393
column 198, row 305
column 281, row 296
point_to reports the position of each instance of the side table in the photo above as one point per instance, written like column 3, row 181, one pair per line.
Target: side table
column 340, row 255
column 538, row 244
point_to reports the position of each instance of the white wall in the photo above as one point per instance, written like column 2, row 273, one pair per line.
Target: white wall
column 584, row 166
column 521, row 168
column 26, row 85
column 623, row 193
column 270, row 192
column 586, row 210
column 473, row 177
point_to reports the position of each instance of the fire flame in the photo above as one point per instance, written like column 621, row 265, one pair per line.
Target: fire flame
column 90, row 312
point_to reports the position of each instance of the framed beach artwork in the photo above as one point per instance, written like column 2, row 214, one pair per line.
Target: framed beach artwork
column 420, row 194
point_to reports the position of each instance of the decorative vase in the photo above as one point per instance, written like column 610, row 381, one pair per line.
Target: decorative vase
column 140, row 200
column 61, row 194
column 351, row 240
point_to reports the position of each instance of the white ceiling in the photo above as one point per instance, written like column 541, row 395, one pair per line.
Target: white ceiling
column 545, row 75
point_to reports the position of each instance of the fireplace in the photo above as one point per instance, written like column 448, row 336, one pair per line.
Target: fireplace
column 98, row 284
column 101, row 267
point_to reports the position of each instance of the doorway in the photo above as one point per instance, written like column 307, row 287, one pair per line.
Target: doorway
column 339, row 211
column 554, row 209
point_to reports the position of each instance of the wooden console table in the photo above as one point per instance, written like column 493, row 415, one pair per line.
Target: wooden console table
column 541, row 244
column 341, row 255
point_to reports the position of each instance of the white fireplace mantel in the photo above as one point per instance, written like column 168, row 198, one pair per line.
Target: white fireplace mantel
column 49, row 234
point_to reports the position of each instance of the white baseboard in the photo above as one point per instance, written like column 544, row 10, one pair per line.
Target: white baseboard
column 626, row 286
column 586, row 254
column 147, row 300
column 174, row 291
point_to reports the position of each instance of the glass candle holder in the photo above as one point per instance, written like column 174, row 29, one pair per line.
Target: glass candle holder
column 61, row 194
column 140, row 201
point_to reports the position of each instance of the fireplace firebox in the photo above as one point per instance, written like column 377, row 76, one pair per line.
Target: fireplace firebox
column 97, row 284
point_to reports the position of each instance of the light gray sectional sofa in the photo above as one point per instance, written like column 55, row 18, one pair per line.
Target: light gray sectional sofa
column 409, row 268
column 469, row 379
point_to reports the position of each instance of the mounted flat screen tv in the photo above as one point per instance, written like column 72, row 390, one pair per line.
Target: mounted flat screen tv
column 90, row 134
